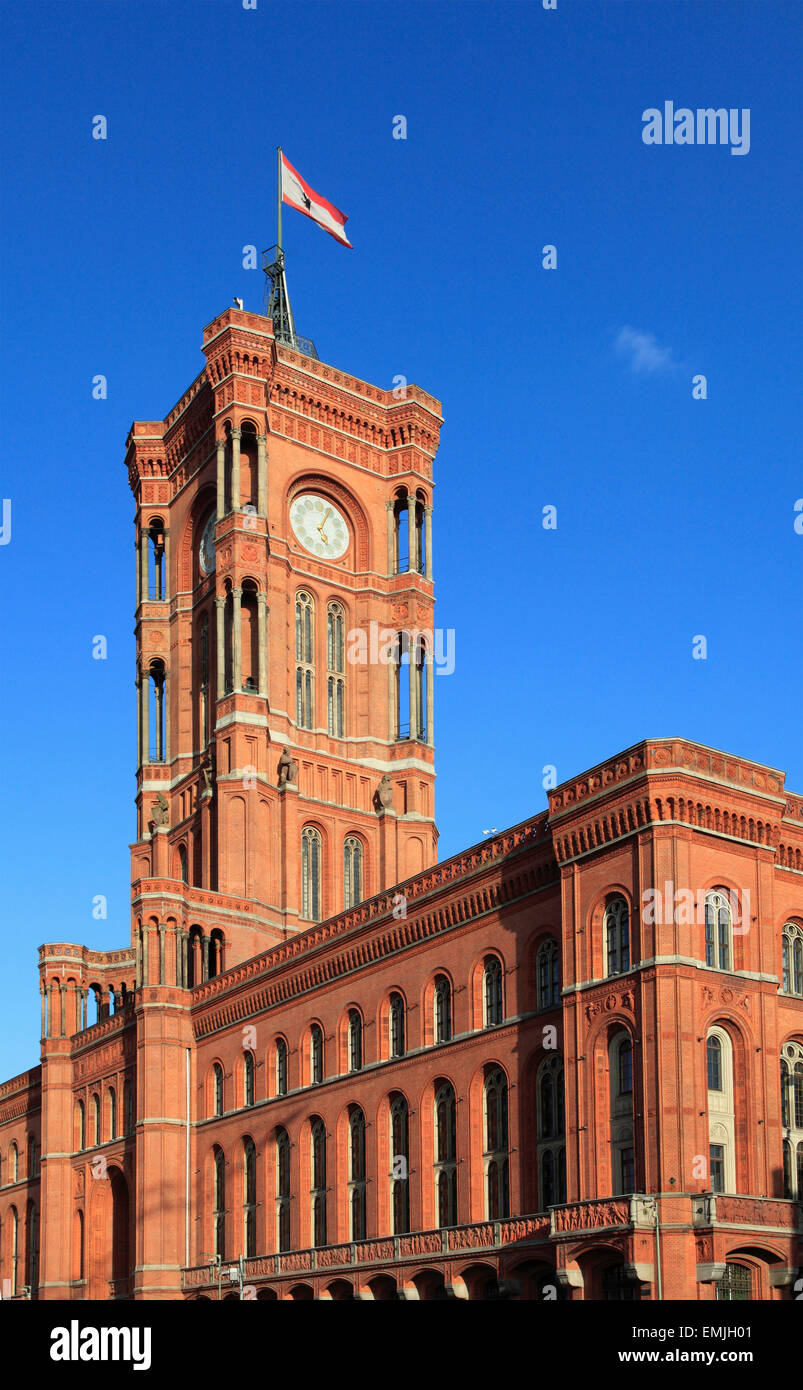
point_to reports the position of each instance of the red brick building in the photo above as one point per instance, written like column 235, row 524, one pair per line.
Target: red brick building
column 567, row 1063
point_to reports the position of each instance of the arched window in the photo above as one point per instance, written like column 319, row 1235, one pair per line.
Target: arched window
column 547, row 970
column 316, row 1054
column 446, row 1154
column 217, row 1089
column 283, row 1189
column 718, row 929
column 13, row 1164
column 219, row 1201
column 318, row 1184
column 624, row 1057
column 792, row 1119
column 550, row 1130
column 352, row 871
column 792, row 948
column 248, row 1078
column 617, row 936
column 95, row 1120
column 281, row 1067
column 443, row 1009
column 355, row 1040
column 335, row 668
column 496, row 1145
column 311, row 874
column 492, row 991
column 182, row 863
column 249, row 1198
column 357, row 1179
column 396, row 1022
column 305, row 660
column 112, row 1113
column 400, row 1165
column 721, row 1116
column 80, row 1125
column 156, row 711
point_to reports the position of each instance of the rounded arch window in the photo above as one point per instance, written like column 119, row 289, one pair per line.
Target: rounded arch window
column 493, row 1008
column 718, row 929
column 792, row 963
column 617, row 936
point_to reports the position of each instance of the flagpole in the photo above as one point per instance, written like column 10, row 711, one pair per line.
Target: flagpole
column 285, row 295
column 279, row 196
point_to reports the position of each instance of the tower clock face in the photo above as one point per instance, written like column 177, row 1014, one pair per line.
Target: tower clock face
column 319, row 526
column 206, row 550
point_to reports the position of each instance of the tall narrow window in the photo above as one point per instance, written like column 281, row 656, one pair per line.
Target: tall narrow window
column 718, row 929
column 496, row 1145
column 316, row 1054
column 281, row 1067
column 80, row 1125
column 443, row 1009
column 400, row 1165
column 305, row 660
column 318, row 1185
column 311, row 874
column 128, row 1107
column 623, row 1156
column 249, row 1198
column 418, row 657
column 156, row 692
column 792, row 1119
column 396, row 1021
column 792, row 949
column 282, row 1189
column 217, row 1088
column 446, row 1154
column 492, row 991
column 248, row 1078
column 95, row 1120
column 219, row 1202
column 352, row 871
column 357, row 1180
column 547, row 969
column 355, row 1040
column 721, row 1114
column 335, row 669
column 112, row 1113
column 617, row 936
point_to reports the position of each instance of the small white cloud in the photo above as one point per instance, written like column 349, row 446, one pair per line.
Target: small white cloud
column 643, row 351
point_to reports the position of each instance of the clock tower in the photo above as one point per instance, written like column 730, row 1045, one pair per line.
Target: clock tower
column 285, row 652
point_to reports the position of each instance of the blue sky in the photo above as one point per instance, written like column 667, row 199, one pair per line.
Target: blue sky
column 569, row 387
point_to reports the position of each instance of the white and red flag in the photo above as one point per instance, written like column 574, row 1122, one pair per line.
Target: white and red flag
column 300, row 196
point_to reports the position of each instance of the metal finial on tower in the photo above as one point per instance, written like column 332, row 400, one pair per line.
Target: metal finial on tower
column 277, row 298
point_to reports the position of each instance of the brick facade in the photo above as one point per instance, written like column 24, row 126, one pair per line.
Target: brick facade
column 344, row 1069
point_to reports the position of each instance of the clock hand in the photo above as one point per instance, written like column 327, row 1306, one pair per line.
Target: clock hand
column 323, row 523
